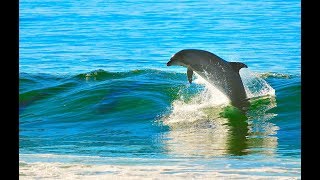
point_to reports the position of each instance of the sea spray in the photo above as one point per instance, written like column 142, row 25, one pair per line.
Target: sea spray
column 194, row 110
column 190, row 111
column 254, row 85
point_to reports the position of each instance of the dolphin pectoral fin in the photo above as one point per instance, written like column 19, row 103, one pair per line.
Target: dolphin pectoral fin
column 189, row 74
column 236, row 66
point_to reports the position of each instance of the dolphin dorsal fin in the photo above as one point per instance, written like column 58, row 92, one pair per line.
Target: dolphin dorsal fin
column 236, row 66
column 189, row 74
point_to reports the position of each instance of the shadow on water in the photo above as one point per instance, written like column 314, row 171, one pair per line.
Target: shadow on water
column 238, row 130
column 226, row 131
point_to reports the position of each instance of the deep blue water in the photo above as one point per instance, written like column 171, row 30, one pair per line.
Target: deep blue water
column 94, row 81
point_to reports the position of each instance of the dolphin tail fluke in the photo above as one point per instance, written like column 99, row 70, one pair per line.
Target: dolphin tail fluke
column 236, row 66
column 189, row 74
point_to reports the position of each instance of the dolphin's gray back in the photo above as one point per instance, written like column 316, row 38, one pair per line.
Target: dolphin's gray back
column 221, row 74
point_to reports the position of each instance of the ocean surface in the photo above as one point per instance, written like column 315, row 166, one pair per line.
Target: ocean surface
column 96, row 99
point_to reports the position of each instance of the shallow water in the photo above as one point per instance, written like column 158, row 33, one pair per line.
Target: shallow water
column 96, row 99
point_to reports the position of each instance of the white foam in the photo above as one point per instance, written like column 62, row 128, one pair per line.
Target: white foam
column 190, row 111
column 80, row 170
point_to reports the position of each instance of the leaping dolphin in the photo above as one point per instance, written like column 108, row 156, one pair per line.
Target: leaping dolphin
column 218, row 72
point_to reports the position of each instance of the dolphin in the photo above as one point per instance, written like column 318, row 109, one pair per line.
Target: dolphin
column 218, row 72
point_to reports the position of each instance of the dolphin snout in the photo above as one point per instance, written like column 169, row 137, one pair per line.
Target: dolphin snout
column 169, row 63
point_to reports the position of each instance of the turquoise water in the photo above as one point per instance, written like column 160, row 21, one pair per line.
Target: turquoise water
column 95, row 89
